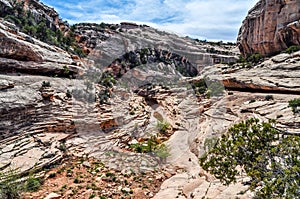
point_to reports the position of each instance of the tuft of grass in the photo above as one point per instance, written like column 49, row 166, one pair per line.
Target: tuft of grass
column 163, row 126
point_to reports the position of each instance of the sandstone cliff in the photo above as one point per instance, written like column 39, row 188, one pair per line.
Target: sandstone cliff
column 270, row 27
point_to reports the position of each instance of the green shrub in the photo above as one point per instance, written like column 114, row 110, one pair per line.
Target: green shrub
column 215, row 88
column 76, row 180
column 46, row 84
column 52, row 175
column 269, row 156
column 292, row 49
column 32, row 184
column 254, row 58
column 162, row 151
column 163, row 126
column 10, row 188
column 92, row 195
column 294, row 104
column 107, row 79
column 269, row 97
column 147, row 146
column 199, row 87
column 69, row 94
column 40, row 29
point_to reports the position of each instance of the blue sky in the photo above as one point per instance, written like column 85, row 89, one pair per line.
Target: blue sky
column 203, row 19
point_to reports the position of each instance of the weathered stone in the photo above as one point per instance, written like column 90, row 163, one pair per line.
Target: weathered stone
column 4, row 84
column 86, row 164
column 270, row 27
column 53, row 196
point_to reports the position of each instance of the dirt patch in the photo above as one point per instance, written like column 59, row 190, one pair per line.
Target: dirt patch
column 89, row 178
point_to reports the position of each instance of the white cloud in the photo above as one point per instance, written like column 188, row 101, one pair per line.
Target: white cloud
column 204, row 19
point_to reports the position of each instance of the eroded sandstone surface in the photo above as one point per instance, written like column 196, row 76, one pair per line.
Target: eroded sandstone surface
column 54, row 104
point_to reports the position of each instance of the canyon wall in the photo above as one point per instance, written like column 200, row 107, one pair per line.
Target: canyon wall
column 270, row 27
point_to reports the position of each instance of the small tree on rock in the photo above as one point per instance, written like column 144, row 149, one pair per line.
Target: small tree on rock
column 270, row 157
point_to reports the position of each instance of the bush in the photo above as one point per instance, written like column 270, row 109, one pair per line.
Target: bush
column 254, row 58
column 294, row 104
column 215, row 88
column 10, row 188
column 163, row 126
column 199, row 87
column 153, row 144
column 11, row 184
column 69, row 94
column 269, row 156
column 46, row 84
column 162, row 151
column 32, row 184
column 52, row 175
column 107, row 79
column 40, row 29
column 269, row 97
column 292, row 49
column 76, row 181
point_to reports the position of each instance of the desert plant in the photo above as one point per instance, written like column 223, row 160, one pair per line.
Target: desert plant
column 107, row 79
column 254, row 58
column 46, row 84
column 215, row 88
column 52, row 175
column 292, row 49
column 10, row 188
column 32, row 183
column 199, row 87
column 162, row 151
column 76, row 180
column 294, row 104
column 269, row 97
column 146, row 146
column 163, row 126
column 69, row 94
column 269, row 156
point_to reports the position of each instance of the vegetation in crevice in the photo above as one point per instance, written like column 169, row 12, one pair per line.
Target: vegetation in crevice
column 46, row 84
column 163, row 126
column 295, row 104
column 292, row 49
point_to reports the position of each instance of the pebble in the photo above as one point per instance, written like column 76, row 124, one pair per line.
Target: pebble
column 86, row 164
column 53, row 196
column 126, row 190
